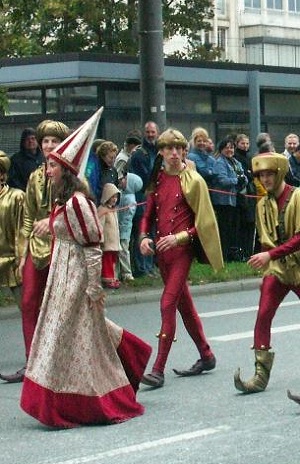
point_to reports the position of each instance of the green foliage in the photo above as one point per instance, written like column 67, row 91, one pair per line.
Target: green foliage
column 187, row 17
column 203, row 274
column 31, row 27
column 4, row 105
column 200, row 274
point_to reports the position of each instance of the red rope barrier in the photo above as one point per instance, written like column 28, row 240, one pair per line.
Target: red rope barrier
column 124, row 208
column 235, row 194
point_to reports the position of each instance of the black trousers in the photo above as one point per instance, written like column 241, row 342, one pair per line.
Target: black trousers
column 227, row 220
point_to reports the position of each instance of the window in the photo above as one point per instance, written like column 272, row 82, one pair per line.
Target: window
column 222, row 37
column 24, row 102
column 225, row 129
column 221, row 7
column 122, row 98
column 252, row 4
column 207, row 39
column 71, row 99
column 279, row 55
column 232, row 103
column 274, row 4
column 254, row 54
column 281, row 103
column 188, row 101
column 294, row 6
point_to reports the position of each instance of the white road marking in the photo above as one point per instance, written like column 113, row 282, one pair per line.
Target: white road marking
column 246, row 309
column 143, row 446
column 249, row 334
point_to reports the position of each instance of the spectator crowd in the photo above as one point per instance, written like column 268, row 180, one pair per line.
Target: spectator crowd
column 226, row 169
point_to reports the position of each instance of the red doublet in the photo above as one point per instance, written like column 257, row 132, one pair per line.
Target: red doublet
column 171, row 209
column 171, row 213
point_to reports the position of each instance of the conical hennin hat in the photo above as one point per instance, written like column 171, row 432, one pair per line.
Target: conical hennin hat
column 73, row 152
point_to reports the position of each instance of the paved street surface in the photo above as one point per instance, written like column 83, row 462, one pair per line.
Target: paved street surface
column 190, row 420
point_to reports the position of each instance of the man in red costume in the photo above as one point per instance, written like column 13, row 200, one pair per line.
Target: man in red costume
column 278, row 225
column 179, row 206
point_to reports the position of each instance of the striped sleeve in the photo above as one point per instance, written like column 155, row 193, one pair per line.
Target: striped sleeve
column 82, row 221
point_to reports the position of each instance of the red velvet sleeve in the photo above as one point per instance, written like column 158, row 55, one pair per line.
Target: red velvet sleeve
column 290, row 246
column 148, row 218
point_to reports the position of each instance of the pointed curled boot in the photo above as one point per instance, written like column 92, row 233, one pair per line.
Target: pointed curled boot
column 259, row 382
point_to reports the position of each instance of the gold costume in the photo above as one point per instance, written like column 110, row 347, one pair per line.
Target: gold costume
column 38, row 205
column 287, row 270
column 260, row 190
column 11, row 244
column 197, row 196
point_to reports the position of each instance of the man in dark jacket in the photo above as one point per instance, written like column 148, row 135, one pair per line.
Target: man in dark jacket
column 293, row 176
column 25, row 161
column 141, row 164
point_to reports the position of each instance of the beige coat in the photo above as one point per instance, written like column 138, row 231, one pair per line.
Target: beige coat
column 108, row 218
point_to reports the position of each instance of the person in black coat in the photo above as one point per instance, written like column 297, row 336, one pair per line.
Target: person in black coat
column 245, row 233
column 26, row 160
column 293, row 176
column 141, row 163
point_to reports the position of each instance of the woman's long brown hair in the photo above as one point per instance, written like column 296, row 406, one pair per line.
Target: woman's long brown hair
column 68, row 186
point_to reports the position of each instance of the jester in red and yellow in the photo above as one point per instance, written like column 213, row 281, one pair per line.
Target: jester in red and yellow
column 278, row 225
column 179, row 206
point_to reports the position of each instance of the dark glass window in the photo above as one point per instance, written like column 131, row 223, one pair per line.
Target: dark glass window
column 188, row 101
column 24, row 102
column 71, row 99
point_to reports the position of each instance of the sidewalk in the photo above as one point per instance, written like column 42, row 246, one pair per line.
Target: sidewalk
column 129, row 296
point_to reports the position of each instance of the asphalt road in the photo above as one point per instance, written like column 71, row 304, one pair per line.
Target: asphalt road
column 190, row 420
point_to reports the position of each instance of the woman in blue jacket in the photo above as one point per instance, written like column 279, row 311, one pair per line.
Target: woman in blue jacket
column 228, row 180
column 197, row 153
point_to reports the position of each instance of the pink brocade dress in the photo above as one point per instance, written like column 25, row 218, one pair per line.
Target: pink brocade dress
column 82, row 368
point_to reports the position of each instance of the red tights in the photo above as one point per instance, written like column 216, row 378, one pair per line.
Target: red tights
column 34, row 283
column 174, row 267
column 109, row 261
column 272, row 293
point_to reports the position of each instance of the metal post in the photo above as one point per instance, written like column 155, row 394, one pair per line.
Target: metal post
column 254, row 106
column 152, row 70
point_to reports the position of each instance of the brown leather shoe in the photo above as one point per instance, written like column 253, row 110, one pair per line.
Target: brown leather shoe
column 200, row 366
column 14, row 378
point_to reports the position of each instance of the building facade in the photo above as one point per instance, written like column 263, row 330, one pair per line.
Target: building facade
column 263, row 32
column 222, row 97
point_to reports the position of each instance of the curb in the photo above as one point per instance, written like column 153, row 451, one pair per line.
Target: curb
column 196, row 290
column 116, row 298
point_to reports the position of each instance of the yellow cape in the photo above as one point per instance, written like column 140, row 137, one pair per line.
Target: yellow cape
column 197, row 196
